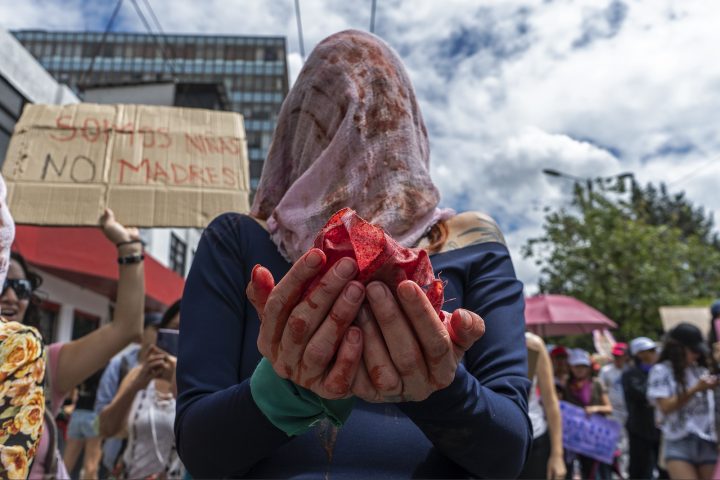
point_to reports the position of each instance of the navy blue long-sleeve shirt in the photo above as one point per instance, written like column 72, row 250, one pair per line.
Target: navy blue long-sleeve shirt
column 477, row 426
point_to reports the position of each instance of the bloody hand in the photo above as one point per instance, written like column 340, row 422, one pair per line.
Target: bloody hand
column 302, row 329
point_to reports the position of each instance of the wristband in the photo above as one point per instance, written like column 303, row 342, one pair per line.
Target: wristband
column 130, row 242
column 290, row 407
column 136, row 258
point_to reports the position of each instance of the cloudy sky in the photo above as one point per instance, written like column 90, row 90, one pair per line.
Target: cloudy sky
column 509, row 87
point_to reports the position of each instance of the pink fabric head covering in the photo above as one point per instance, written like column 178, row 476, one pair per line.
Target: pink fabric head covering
column 350, row 134
column 7, row 232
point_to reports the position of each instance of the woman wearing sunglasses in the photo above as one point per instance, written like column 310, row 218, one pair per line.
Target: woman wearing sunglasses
column 69, row 364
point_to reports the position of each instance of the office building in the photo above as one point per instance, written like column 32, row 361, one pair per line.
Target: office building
column 252, row 70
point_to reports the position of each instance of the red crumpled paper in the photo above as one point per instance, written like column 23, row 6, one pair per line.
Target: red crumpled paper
column 378, row 256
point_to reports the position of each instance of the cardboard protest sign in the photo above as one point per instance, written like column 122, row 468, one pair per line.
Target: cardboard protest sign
column 593, row 436
column 154, row 166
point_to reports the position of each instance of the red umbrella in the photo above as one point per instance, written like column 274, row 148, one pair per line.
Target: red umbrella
column 552, row 315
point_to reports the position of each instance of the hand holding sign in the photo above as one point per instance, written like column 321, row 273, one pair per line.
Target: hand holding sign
column 593, row 436
column 115, row 232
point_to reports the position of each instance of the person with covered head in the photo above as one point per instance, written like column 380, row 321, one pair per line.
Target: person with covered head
column 267, row 371
column 643, row 434
column 680, row 387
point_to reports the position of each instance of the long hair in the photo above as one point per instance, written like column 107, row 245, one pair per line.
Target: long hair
column 712, row 339
column 437, row 236
column 32, row 314
column 167, row 317
column 674, row 352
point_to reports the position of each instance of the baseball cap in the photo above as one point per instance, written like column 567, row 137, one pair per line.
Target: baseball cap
column 689, row 336
column 559, row 351
column 578, row 357
column 641, row 344
column 620, row 349
column 715, row 309
column 152, row 319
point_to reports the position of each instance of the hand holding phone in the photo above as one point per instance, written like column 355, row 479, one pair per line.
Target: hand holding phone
column 167, row 340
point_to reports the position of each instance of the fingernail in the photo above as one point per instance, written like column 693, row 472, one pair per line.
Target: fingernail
column 406, row 291
column 345, row 268
column 353, row 293
column 353, row 335
column 254, row 271
column 313, row 259
column 465, row 320
column 376, row 291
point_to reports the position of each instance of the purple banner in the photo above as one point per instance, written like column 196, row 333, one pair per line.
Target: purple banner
column 593, row 436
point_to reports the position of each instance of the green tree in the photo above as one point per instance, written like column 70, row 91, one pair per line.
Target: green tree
column 627, row 252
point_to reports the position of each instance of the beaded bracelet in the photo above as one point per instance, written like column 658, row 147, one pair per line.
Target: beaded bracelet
column 137, row 258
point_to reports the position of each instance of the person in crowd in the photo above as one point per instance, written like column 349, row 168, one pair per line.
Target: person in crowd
column 586, row 391
column 714, row 358
column 546, row 459
column 82, row 435
column 144, row 411
column 119, row 366
column 561, row 368
column 266, row 375
column 643, row 434
column 69, row 364
column 611, row 377
column 679, row 386
column 22, row 370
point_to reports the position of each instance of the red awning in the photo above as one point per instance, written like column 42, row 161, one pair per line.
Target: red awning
column 83, row 256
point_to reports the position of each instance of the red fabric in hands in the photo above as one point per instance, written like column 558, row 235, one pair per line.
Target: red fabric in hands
column 378, row 256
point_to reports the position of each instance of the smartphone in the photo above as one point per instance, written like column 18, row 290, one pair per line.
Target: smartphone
column 167, row 340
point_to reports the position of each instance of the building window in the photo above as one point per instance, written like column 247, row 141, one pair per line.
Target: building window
column 177, row 254
column 84, row 323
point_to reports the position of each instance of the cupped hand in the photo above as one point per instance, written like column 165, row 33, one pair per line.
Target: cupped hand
column 307, row 336
column 409, row 352
column 115, row 231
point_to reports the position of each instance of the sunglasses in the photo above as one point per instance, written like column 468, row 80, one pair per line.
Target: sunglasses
column 22, row 287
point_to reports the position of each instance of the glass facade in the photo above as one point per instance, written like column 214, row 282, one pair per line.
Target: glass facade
column 253, row 70
column 11, row 105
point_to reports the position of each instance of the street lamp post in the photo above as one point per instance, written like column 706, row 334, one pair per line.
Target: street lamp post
column 587, row 180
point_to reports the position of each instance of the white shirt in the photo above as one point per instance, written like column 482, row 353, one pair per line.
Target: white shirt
column 151, row 440
column 536, row 412
column 611, row 378
column 695, row 417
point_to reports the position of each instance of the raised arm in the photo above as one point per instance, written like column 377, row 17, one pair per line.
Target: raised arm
column 80, row 358
column 556, row 464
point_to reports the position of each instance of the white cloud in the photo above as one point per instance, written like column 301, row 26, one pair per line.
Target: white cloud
column 589, row 87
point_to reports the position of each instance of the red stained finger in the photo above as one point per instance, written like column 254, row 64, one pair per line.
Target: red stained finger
column 432, row 335
column 283, row 299
column 331, row 297
column 379, row 368
column 406, row 354
column 340, row 378
column 465, row 329
column 314, row 344
column 259, row 288
column 429, row 329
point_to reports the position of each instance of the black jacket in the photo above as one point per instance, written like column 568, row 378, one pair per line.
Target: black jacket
column 641, row 415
